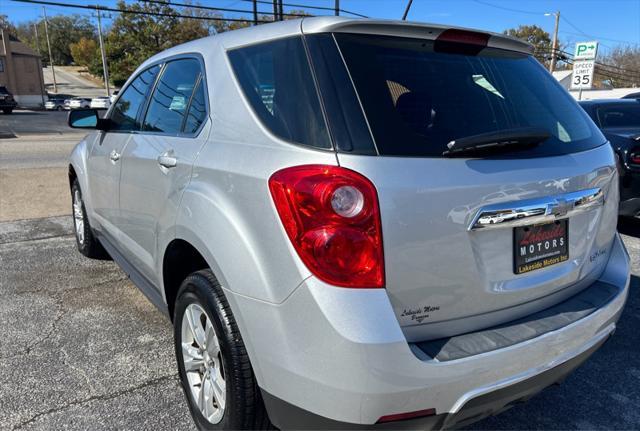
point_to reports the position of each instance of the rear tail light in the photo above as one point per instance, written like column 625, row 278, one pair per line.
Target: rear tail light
column 332, row 218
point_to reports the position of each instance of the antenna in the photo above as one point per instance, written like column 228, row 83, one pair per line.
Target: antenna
column 406, row 11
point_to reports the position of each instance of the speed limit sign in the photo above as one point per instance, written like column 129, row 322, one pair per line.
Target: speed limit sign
column 582, row 77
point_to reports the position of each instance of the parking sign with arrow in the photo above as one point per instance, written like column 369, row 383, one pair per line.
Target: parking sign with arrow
column 586, row 50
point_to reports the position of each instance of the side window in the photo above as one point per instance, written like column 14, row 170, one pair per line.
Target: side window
column 620, row 116
column 171, row 96
column 276, row 80
column 197, row 110
column 125, row 111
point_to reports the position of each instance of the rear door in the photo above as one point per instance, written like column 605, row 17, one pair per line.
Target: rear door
column 156, row 163
column 489, row 235
column 105, row 156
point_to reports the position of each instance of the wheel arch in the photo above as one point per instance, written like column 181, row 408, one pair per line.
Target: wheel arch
column 72, row 175
column 180, row 259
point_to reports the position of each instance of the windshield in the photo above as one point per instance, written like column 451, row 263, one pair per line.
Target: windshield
column 417, row 99
column 624, row 116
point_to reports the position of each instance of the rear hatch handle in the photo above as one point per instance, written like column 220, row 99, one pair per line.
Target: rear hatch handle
column 534, row 211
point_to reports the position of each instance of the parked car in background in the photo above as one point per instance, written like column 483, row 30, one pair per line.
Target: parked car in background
column 7, row 102
column 619, row 120
column 79, row 102
column 114, row 96
column 67, row 104
column 100, row 102
column 283, row 193
column 632, row 96
column 54, row 104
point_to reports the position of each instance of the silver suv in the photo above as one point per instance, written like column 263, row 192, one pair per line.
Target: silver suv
column 355, row 223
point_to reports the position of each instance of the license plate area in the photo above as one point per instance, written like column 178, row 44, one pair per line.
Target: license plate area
column 539, row 246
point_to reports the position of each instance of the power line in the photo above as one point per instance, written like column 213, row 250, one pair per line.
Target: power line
column 309, row 7
column 195, row 6
column 569, row 56
column 528, row 12
column 603, row 69
column 625, row 42
column 135, row 12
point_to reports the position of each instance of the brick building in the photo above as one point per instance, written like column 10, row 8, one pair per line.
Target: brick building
column 21, row 71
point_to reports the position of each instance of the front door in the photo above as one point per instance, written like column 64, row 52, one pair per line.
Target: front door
column 106, row 153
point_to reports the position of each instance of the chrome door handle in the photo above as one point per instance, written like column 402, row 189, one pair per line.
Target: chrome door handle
column 167, row 161
column 114, row 156
column 533, row 211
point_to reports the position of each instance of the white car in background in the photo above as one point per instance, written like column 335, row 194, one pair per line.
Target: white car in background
column 100, row 102
column 54, row 104
column 114, row 96
column 79, row 103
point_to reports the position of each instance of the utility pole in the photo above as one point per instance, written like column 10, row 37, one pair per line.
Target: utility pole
column 275, row 10
column 406, row 11
column 337, row 7
column 42, row 89
column 46, row 32
column 105, row 69
column 281, row 10
column 255, row 12
column 35, row 29
column 554, row 53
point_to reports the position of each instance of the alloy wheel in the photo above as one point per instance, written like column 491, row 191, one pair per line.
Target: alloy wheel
column 78, row 216
column 203, row 366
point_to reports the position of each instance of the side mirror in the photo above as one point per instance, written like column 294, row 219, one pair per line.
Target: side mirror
column 86, row 119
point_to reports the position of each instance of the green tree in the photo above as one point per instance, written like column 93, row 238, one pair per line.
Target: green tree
column 86, row 52
column 536, row 36
column 6, row 25
column 63, row 31
column 133, row 38
column 624, row 70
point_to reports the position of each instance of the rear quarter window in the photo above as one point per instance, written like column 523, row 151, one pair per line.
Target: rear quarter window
column 276, row 80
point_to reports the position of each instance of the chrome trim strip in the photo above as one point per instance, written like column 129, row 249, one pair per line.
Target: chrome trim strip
column 533, row 211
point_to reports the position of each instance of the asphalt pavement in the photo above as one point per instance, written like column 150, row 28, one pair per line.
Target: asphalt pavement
column 70, row 82
column 81, row 348
column 24, row 122
column 34, row 154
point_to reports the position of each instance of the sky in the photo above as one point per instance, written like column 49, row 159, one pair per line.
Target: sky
column 611, row 22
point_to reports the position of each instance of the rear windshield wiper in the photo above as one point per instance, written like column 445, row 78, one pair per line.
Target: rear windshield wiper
column 499, row 141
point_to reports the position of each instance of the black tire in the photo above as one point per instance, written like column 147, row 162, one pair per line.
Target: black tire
column 7, row 111
column 88, row 245
column 244, row 409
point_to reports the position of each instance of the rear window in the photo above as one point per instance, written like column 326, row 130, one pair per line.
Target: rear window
column 276, row 80
column 620, row 116
column 417, row 100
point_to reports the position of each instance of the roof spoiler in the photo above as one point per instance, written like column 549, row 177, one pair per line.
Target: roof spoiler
column 410, row 29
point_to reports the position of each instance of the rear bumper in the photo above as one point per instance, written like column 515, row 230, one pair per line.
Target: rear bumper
column 330, row 357
column 292, row 417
